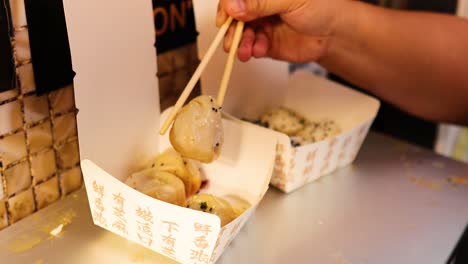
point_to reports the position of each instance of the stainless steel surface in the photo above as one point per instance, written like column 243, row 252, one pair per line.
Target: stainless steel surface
column 394, row 205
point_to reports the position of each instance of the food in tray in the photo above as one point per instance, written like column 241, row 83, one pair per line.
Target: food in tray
column 316, row 131
column 238, row 204
column 173, row 179
column 225, row 210
column 159, row 184
column 187, row 170
column 197, row 132
column 283, row 120
column 299, row 129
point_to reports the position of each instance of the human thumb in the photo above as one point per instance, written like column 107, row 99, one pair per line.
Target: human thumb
column 247, row 10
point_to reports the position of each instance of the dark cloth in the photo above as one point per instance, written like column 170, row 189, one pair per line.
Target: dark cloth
column 7, row 64
column 396, row 123
column 50, row 49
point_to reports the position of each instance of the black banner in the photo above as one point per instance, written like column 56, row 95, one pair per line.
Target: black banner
column 7, row 64
column 174, row 22
column 50, row 49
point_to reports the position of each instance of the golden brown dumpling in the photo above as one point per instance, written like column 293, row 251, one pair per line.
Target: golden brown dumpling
column 171, row 161
column 197, row 132
column 213, row 205
column 238, row 204
column 160, row 185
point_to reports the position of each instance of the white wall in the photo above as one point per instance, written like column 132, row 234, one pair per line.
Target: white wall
column 116, row 88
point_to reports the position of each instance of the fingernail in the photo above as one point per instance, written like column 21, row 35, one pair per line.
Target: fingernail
column 239, row 7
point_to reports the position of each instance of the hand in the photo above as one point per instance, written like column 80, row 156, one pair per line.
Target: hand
column 293, row 30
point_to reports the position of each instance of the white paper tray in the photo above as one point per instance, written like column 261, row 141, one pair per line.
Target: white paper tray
column 186, row 235
column 317, row 98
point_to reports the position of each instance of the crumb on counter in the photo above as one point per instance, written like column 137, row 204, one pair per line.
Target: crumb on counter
column 426, row 183
column 438, row 165
column 57, row 231
column 458, row 180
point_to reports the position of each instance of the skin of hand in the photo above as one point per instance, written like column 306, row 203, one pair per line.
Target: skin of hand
column 294, row 30
column 414, row 60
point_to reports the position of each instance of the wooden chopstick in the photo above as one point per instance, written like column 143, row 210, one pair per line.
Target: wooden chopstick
column 196, row 76
column 230, row 62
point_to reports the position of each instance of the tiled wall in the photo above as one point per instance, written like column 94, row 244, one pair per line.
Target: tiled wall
column 39, row 153
column 175, row 68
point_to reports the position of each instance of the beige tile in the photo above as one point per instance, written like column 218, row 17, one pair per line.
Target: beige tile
column 18, row 13
column 26, row 78
column 47, row 192
column 165, row 86
column 71, row 180
column 62, row 100
column 11, row 118
column 191, row 68
column 2, row 193
column 13, row 148
column 40, row 137
column 7, row 95
column 64, row 127
column 43, row 165
column 182, row 56
column 168, row 101
column 193, row 54
column 68, row 155
column 17, row 178
column 166, row 62
column 36, row 108
column 3, row 215
column 176, row 59
column 181, row 78
column 21, row 46
column 21, row 205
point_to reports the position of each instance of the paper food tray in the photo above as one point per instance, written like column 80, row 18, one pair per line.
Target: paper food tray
column 186, row 235
column 317, row 98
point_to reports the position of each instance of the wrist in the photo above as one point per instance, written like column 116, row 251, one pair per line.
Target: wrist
column 344, row 26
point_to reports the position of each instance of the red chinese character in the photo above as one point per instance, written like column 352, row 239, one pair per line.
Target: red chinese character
column 307, row 170
column 99, row 189
column 98, row 204
column 311, row 155
column 145, row 240
column 145, row 228
column 205, row 229
column 99, row 218
column 171, row 226
column 169, row 240
column 119, row 213
column 145, row 214
column 118, row 199
column 280, row 148
column 169, row 251
column 200, row 242
column 200, row 256
column 120, row 226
